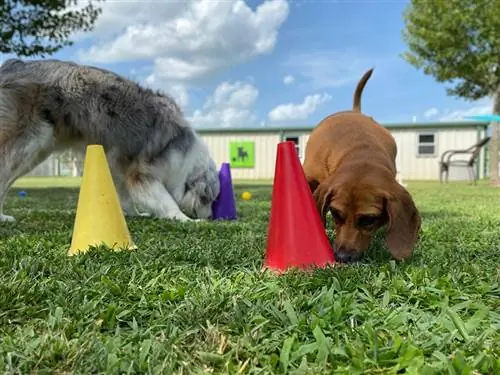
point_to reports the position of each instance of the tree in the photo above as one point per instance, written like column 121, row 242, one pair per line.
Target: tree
column 458, row 41
column 42, row 27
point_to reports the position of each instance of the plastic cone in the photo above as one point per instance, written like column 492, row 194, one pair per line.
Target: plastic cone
column 99, row 217
column 296, row 236
column 224, row 207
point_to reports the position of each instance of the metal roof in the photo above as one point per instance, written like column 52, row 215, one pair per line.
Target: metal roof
column 306, row 129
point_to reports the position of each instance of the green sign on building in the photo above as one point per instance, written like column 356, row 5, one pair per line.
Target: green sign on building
column 241, row 154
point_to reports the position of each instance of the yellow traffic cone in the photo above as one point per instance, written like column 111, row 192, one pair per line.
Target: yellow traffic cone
column 99, row 217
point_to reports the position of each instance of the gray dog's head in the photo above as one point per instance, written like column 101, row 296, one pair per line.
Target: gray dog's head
column 189, row 171
column 201, row 187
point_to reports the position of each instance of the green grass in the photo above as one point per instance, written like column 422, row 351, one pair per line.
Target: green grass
column 71, row 182
column 192, row 299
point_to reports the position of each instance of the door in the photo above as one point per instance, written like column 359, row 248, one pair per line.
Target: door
column 296, row 140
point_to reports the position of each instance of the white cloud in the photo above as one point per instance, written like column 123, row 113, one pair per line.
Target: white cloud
column 481, row 107
column 117, row 16
column 229, row 106
column 177, row 90
column 172, row 68
column 186, row 39
column 180, row 94
column 431, row 112
column 300, row 111
column 460, row 114
column 327, row 69
column 288, row 79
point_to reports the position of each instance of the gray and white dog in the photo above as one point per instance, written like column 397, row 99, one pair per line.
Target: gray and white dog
column 158, row 162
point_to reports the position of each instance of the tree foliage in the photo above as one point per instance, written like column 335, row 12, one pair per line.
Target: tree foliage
column 42, row 27
column 456, row 41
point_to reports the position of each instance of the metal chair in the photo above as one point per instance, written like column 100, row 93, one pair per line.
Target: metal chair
column 445, row 162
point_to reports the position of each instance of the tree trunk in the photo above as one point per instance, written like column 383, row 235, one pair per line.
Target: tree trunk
column 493, row 146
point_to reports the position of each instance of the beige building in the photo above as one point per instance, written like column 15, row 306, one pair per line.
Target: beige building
column 252, row 152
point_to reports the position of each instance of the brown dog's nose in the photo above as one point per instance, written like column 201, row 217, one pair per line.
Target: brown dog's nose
column 344, row 255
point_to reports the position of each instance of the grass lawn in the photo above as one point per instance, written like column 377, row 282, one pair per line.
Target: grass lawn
column 192, row 299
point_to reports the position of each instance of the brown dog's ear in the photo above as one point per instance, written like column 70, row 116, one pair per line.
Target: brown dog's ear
column 313, row 184
column 404, row 223
column 323, row 195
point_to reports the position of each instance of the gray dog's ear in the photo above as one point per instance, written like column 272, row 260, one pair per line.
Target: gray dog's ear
column 205, row 188
column 403, row 222
column 208, row 191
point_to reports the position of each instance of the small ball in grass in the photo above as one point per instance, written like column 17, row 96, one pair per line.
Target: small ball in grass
column 22, row 193
column 246, row 195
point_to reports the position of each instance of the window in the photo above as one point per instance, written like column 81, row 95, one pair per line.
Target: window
column 296, row 141
column 426, row 144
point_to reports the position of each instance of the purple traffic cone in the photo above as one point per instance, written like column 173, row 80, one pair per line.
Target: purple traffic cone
column 224, row 207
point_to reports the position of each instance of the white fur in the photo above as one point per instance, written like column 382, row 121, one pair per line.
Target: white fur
column 198, row 157
column 17, row 164
column 165, row 196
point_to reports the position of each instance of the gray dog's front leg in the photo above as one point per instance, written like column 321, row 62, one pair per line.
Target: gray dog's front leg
column 155, row 198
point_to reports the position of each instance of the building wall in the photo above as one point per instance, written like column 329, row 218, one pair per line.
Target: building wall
column 415, row 166
column 47, row 168
column 265, row 152
column 410, row 164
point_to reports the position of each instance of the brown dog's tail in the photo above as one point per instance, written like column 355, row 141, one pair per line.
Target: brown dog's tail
column 359, row 90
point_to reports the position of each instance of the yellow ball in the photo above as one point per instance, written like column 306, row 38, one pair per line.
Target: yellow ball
column 246, row 195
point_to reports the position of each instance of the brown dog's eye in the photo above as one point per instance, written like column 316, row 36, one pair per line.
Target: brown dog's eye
column 367, row 221
column 337, row 216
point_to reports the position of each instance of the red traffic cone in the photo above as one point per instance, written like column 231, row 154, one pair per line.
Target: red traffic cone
column 296, row 236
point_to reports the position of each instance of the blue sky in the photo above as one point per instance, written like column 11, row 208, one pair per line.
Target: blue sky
column 268, row 63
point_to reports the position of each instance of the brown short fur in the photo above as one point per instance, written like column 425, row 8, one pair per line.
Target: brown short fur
column 350, row 164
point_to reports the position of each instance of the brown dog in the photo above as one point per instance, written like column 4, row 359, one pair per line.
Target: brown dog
column 351, row 169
